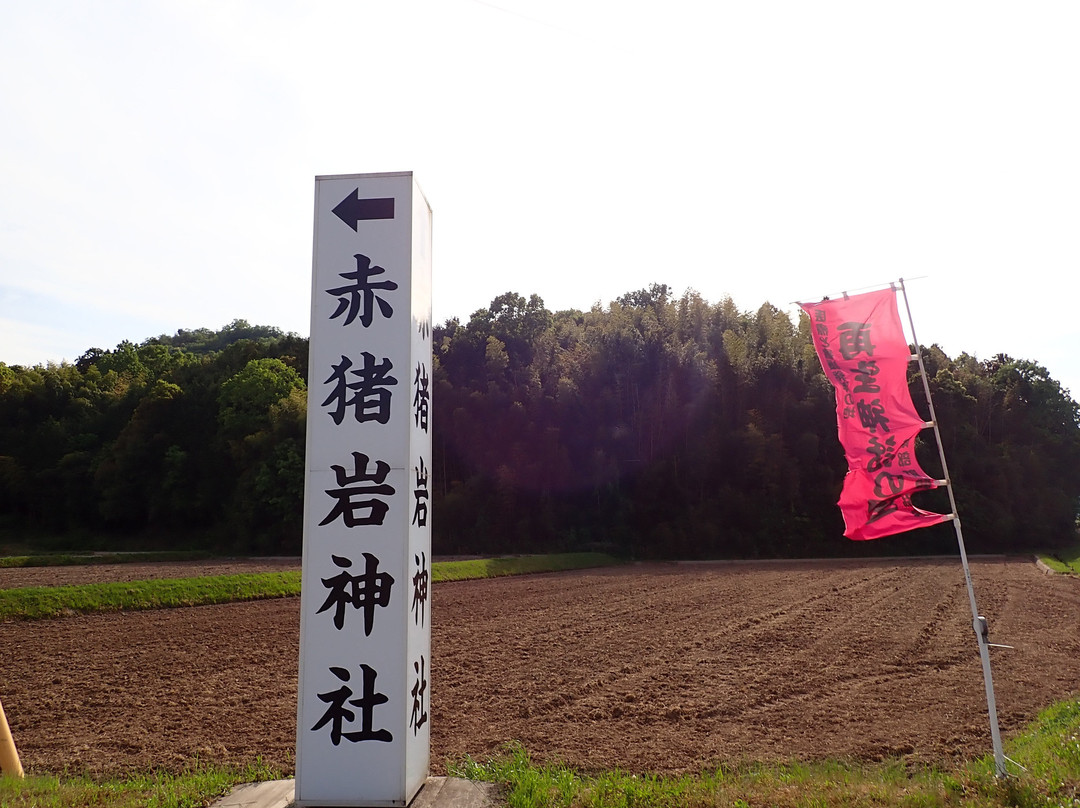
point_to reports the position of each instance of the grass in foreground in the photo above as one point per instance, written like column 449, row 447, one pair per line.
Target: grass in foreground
column 1049, row 749
column 37, row 602
column 199, row 786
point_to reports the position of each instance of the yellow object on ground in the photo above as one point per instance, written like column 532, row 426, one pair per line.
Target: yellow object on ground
column 9, row 757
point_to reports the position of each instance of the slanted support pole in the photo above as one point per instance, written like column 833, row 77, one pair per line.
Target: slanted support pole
column 978, row 622
column 9, row 756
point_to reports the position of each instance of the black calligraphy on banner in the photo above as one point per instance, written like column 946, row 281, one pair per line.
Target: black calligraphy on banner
column 365, row 592
column 866, row 375
column 854, row 339
column 872, row 415
column 882, row 454
column 359, row 300
column 880, row 508
column 420, row 588
column 358, row 497
column 369, row 396
column 832, row 366
column 864, row 353
column 337, row 715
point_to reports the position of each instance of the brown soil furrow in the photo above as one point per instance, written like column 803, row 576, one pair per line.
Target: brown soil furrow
column 658, row 667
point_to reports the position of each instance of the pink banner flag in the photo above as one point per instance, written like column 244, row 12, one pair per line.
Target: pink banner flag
column 862, row 348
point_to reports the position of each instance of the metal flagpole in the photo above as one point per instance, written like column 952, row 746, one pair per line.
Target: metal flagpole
column 978, row 622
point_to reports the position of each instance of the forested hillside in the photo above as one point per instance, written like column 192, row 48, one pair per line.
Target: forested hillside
column 658, row 426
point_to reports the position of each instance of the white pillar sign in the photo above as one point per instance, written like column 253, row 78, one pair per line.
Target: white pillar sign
column 363, row 718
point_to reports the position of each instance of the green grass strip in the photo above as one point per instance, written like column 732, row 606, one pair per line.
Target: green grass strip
column 198, row 786
column 1049, row 750
column 790, row 785
column 35, row 602
column 517, row 565
column 38, row 602
column 1066, row 560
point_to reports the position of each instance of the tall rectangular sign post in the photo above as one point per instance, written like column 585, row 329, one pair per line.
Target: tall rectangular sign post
column 363, row 730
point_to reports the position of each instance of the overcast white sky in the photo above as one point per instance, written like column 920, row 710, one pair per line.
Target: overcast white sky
column 157, row 159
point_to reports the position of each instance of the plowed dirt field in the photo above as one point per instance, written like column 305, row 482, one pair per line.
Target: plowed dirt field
column 652, row 667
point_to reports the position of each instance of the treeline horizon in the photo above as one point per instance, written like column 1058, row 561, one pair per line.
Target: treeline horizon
column 655, row 426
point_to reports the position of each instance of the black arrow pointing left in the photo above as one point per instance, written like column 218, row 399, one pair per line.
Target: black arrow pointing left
column 353, row 209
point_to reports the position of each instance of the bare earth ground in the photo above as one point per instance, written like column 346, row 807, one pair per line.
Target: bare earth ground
column 655, row 667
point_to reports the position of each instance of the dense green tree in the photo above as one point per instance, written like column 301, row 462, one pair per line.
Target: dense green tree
column 656, row 425
column 152, row 440
column 246, row 397
column 672, row 426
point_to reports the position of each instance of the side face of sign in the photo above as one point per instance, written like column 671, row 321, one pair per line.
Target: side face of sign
column 363, row 731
